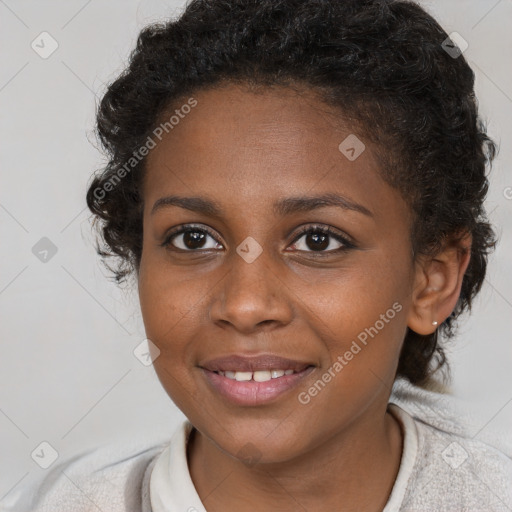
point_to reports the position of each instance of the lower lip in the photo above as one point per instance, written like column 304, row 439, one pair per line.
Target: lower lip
column 252, row 392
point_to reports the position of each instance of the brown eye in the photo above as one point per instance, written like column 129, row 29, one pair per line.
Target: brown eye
column 321, row 239
column 191, row 239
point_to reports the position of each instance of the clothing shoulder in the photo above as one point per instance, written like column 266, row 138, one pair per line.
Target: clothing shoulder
column 105, row 478
column 454, row 470
column 460, row 473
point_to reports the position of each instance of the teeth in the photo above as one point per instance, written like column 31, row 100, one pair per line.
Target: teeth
column 261, row 376
column 257, row 376
column 243, row 375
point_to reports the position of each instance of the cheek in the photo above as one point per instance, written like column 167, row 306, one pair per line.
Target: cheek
column 170, row 305
column 352, row 300
column 169, row 310
column 362, row 317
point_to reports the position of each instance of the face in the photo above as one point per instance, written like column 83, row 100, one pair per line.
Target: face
column 243, row 281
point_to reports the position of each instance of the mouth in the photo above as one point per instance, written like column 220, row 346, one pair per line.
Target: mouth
column 244, row 380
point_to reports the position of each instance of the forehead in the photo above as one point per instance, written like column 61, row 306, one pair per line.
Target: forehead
column 259, row 144
column 236, row 118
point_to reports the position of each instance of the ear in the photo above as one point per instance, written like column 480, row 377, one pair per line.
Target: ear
column 437, row 285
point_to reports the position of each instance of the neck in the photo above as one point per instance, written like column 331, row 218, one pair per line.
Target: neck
column 351, row 470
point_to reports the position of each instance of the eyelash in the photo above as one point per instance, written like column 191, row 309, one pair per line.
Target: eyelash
column 324, row 230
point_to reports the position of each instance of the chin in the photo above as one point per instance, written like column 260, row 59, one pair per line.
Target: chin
column 260, row 443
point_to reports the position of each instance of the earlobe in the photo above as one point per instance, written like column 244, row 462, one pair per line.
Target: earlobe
column 437, row 285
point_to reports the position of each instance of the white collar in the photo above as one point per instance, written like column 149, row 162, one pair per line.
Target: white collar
column 408, row 459
column 171, row 488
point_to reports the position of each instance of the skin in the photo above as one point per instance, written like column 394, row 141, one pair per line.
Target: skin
column 245, row 151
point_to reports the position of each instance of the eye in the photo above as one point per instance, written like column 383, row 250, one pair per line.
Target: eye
column 322, row 239
column 319, row 239
column 191, row 238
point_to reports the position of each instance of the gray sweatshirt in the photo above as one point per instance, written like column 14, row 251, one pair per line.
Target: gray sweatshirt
column 443, row 469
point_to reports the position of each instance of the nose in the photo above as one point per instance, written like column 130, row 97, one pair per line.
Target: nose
column 252, row 297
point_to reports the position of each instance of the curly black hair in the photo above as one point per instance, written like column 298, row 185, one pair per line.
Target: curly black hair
column 383, row 64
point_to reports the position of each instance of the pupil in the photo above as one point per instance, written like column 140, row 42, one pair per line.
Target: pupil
column 320, row 241
column 190, row 238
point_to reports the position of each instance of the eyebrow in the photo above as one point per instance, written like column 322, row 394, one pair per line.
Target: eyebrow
column 282, row 207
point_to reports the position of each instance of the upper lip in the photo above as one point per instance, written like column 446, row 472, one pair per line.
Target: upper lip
column 253, row 363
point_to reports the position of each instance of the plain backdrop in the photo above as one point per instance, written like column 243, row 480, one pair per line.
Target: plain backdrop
column 68, row 375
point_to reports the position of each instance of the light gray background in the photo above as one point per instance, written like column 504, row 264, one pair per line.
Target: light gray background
column 68, row 374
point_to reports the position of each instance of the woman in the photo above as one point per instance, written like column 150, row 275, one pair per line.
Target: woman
column 298, row 188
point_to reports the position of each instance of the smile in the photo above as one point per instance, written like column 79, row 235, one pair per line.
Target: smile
column 251, row 381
